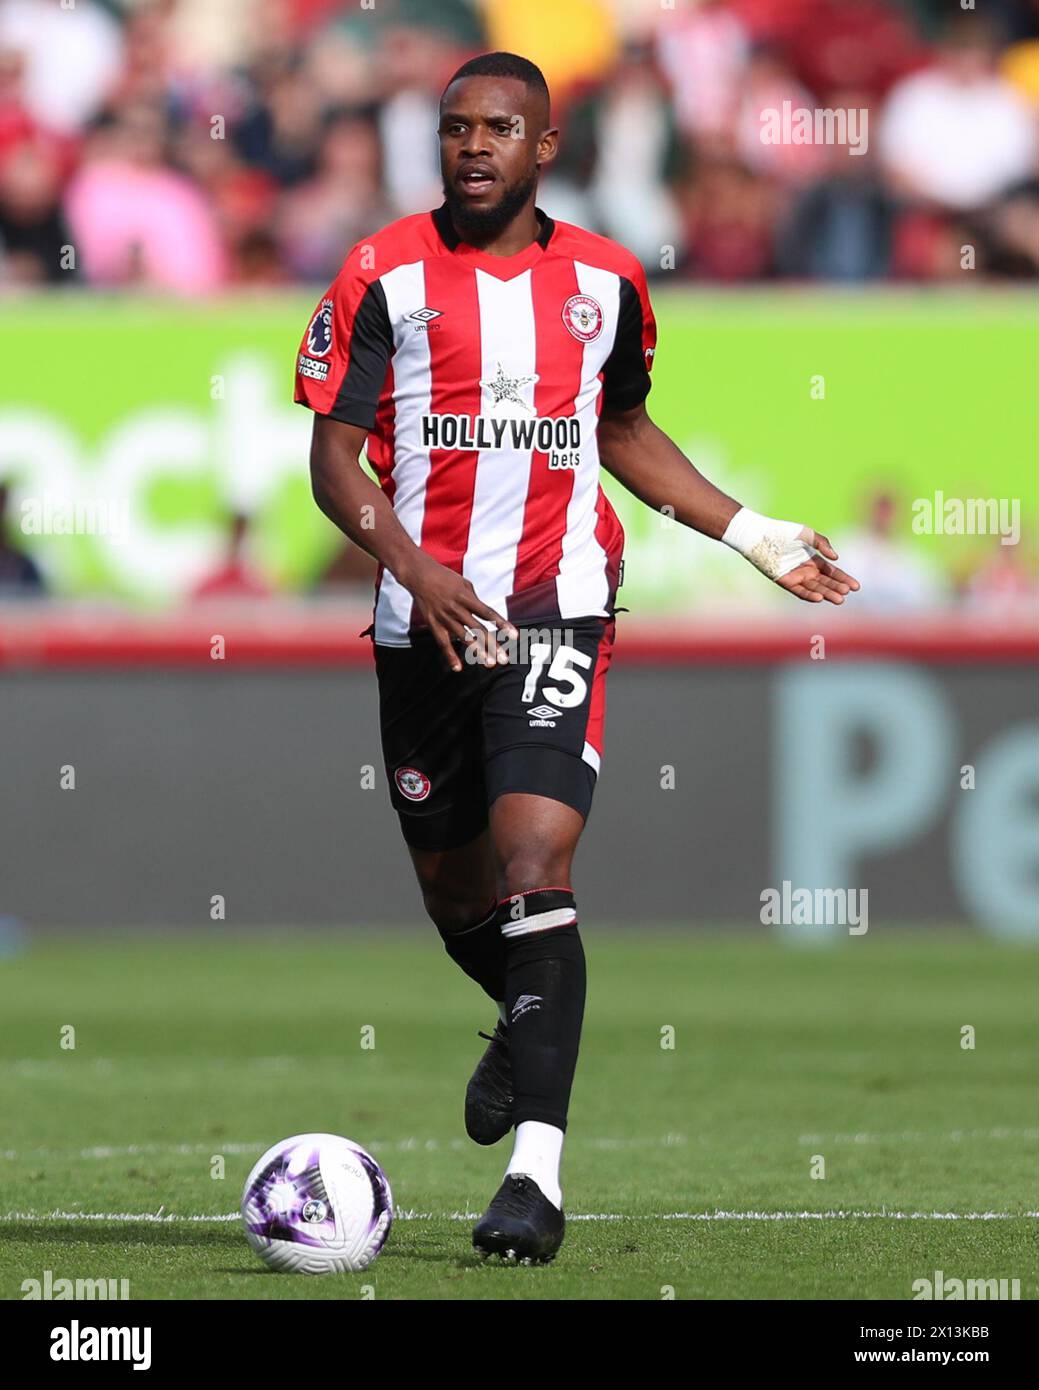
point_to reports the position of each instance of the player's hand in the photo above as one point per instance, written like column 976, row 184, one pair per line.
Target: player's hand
column 782, row 551
column 453, row 610
column 816, row 579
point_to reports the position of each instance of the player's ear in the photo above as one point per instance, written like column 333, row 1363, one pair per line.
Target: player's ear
column 548, row 147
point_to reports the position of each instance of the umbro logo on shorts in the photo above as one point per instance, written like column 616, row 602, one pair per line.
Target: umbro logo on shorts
column 544, row 717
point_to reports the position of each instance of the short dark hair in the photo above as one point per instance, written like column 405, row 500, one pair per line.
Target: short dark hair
column 505, row 65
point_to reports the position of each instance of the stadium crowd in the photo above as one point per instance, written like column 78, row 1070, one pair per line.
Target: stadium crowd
column 193, row 145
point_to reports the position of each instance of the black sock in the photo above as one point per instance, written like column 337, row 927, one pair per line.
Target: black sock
column 544, row 993
column 480, row 952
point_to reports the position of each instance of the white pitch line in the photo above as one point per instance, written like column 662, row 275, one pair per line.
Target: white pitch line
column 920, row 1136
column 418, row 1144
column 166, row 1218
column 141, row 1217
column 216, row 1146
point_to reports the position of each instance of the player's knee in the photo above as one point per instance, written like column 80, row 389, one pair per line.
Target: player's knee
column 452, row 912
column 533, row 866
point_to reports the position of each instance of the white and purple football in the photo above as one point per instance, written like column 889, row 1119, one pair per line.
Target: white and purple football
column 317, row 1204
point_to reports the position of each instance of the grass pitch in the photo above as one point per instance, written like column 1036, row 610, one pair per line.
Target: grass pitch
column 688, row 1169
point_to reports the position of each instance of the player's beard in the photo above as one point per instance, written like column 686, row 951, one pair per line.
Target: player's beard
column 480, row 225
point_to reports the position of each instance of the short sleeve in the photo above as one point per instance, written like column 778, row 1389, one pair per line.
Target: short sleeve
column 346, row 349
column 625, row 379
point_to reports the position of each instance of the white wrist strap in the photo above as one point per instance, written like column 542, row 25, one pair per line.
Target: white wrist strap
column 773, row 547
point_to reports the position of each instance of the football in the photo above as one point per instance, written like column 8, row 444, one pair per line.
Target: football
column 317, row 1204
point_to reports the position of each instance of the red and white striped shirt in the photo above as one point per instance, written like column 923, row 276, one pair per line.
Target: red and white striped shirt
column 480, row 380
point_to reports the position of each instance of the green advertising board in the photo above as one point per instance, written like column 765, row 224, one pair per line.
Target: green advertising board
column 129, row 427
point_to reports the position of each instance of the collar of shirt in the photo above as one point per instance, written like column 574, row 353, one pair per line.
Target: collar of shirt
column 504, row 267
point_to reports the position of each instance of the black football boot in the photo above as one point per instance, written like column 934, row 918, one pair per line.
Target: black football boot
column 521, row 1224
column 488, row 1097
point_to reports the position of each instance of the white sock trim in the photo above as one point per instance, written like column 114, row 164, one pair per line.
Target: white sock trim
column 538, row 1152
column 541, row 921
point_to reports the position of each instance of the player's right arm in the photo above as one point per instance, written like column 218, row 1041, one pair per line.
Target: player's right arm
column 363, row 512
column 341, row 368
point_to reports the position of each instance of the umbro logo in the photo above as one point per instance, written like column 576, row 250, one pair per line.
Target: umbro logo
column 524, row 1004
column 423, row 319
column 543, row 717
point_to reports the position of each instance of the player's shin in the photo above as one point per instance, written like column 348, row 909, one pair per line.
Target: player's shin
column 480, row 952
column 545, row 994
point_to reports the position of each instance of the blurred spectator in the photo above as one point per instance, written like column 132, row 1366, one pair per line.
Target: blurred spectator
column 767, row 84
column 1002, row 585
column 771, row 21
column 16, row 122
column 1014, row 232
column 625, row 130
column 235, row 578
column 728, row 217
column 33, row 234
column 703, row 52
column 929, row 244
column 416, row 64
column 189, row 145
column 1017, row 19
column 864, row 44
column 324, row 215
column 19, row 576
column 890, row 570
column 957, row 134
column 280, row 131
column 72, row 54
column 572, row 41
column 135, row 221
column 350, row 568
column 840, row 228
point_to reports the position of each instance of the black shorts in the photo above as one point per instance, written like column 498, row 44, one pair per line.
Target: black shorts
column 453, row 742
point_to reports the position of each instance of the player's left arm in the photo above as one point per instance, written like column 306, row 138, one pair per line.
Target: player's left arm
column 649, row 464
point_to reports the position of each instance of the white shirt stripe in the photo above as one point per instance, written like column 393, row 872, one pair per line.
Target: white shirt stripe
column 405, row 289
column 582, row 586
column 508, row 350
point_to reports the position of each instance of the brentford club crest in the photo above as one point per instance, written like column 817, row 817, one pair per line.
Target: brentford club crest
column 583, row 317
column 413, row 784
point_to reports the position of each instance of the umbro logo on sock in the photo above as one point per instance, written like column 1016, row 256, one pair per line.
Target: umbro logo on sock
column 524, row 1004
